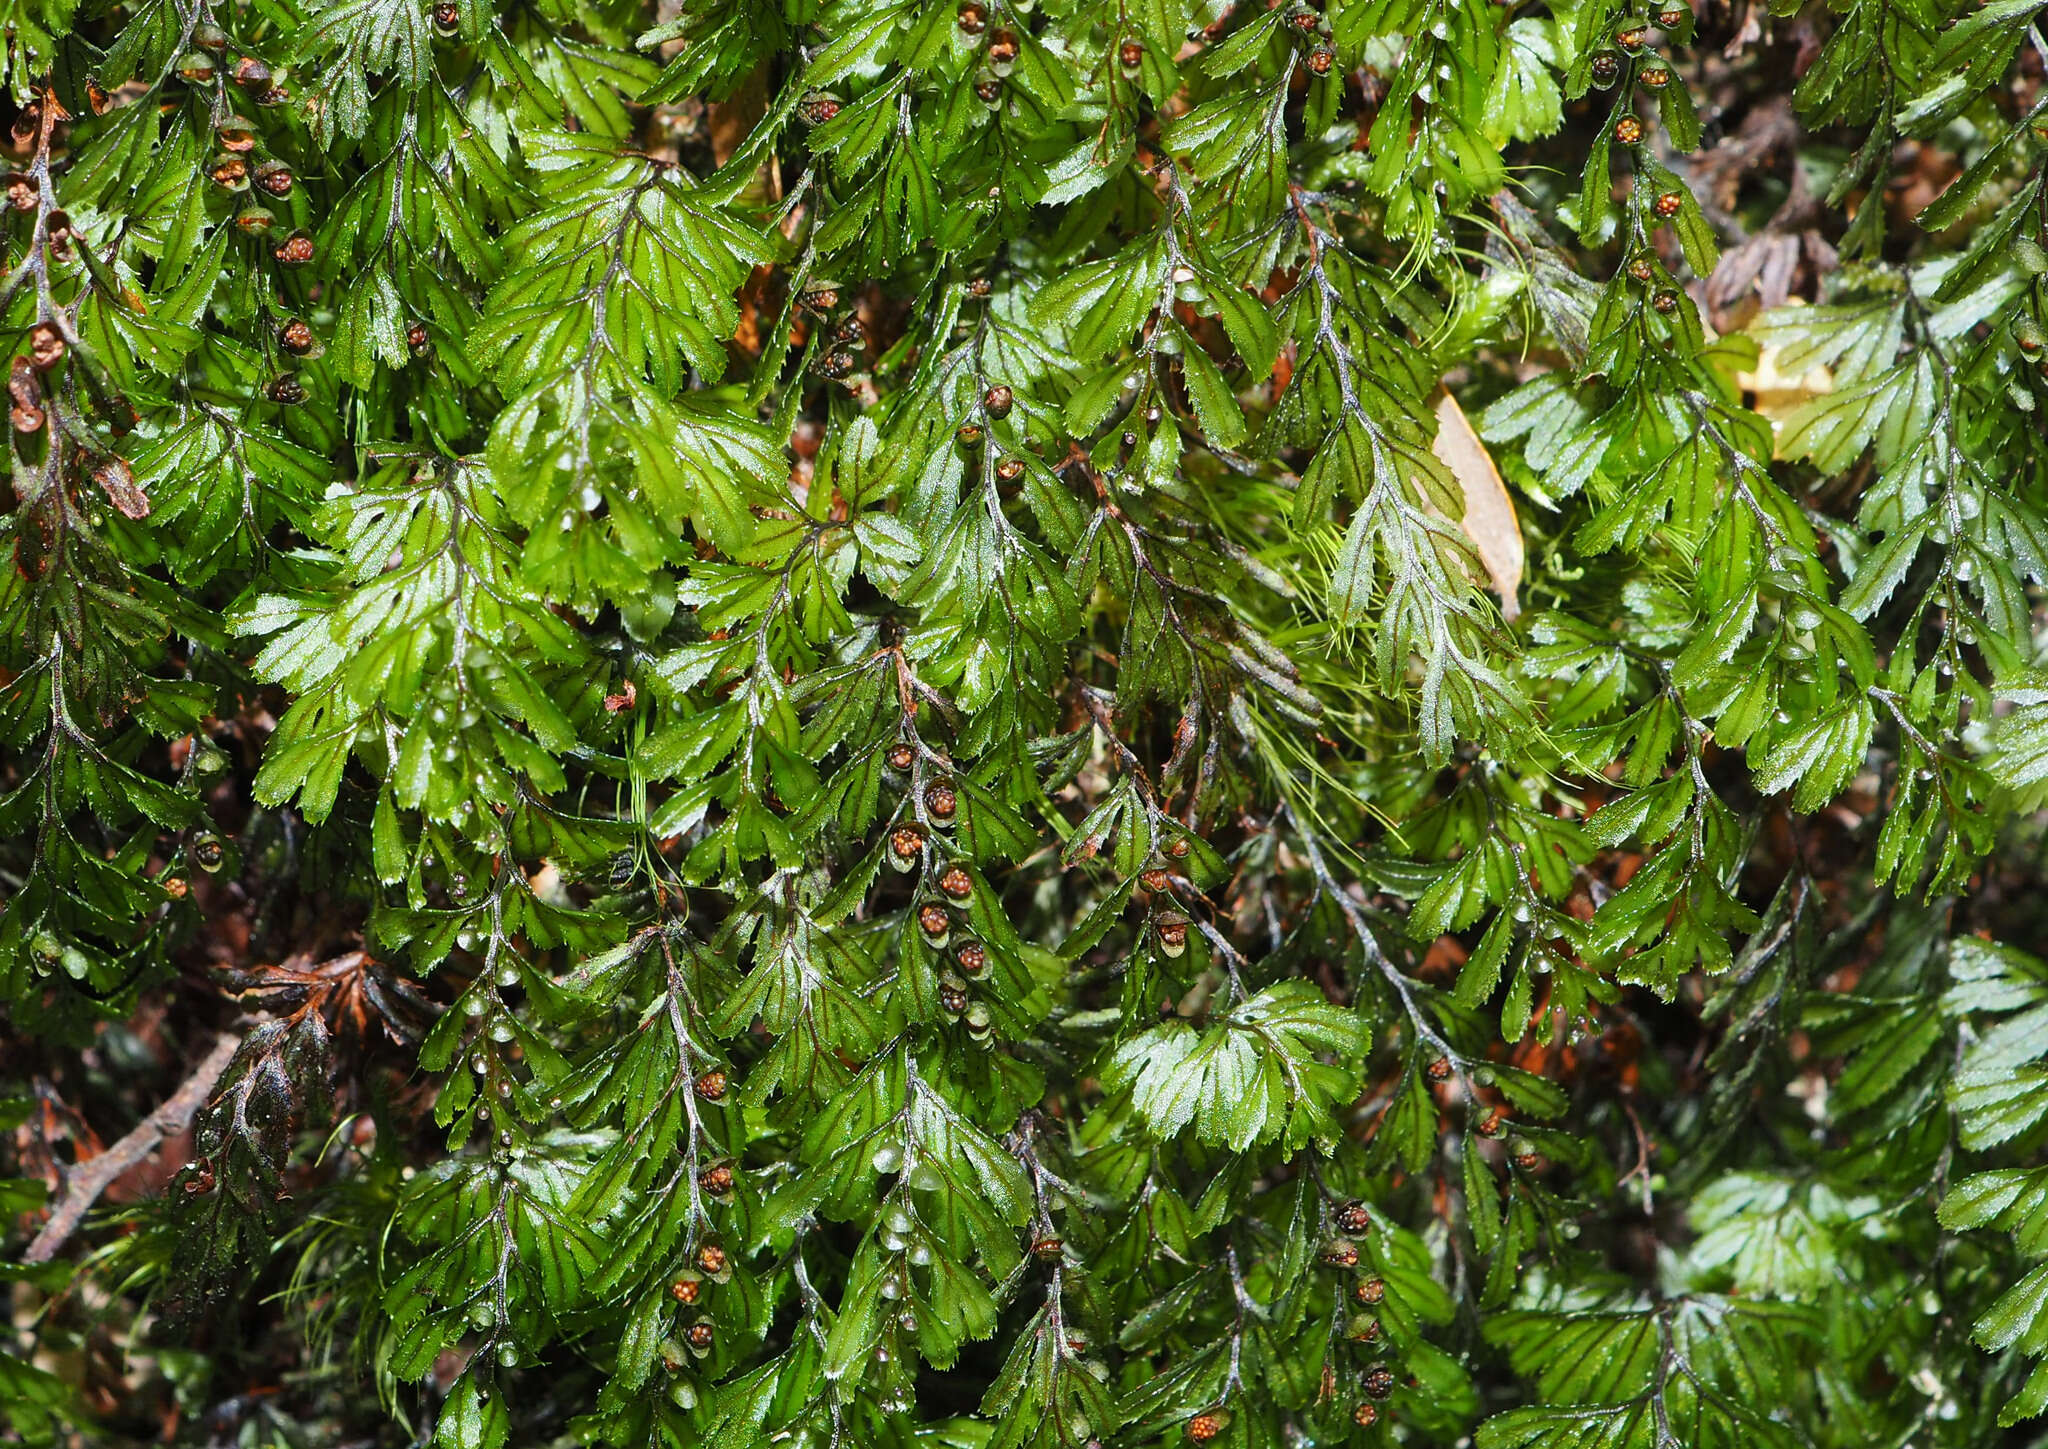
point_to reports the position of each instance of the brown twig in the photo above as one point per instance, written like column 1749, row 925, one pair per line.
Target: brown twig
column 88, row 1179
column 1643, row 1150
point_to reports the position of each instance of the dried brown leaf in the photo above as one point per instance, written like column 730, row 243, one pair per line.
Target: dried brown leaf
column 1489, row 513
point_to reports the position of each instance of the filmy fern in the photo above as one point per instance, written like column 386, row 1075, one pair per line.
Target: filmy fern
column 851, row 746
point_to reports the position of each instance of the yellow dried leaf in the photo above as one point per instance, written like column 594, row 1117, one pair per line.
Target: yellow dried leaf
column 1777, row 394
column 1489, row 513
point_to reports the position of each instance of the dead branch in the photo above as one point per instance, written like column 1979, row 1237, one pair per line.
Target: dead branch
column 84, row 1183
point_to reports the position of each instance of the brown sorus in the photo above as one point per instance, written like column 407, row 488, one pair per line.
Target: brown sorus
column 45, row 346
